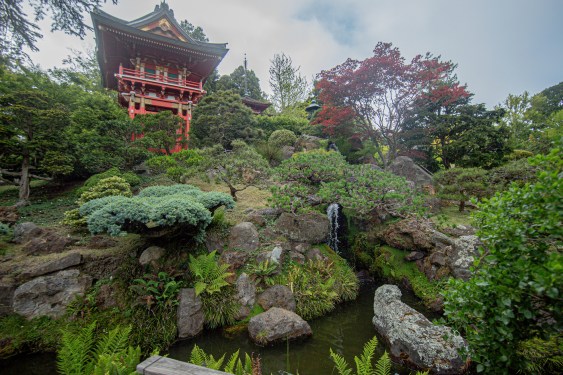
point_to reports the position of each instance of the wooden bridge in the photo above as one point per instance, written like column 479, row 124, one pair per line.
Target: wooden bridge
column 158, row 365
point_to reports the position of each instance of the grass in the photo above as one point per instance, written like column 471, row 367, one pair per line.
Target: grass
column 450, row 216
column 390, row 263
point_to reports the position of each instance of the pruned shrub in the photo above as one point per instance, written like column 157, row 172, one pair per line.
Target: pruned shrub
column 282, row 137
column 131, row 178
column 155, row 209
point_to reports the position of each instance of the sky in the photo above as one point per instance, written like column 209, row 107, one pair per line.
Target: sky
column 501, row 47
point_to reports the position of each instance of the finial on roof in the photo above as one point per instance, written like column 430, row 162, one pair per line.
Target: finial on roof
column 245, row 77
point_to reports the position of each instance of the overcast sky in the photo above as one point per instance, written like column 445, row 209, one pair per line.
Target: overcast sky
column 501, row 46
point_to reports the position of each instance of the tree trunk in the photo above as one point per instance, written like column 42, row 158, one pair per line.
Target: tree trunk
column 24, row 182
column 462, row 205
column 233, row 192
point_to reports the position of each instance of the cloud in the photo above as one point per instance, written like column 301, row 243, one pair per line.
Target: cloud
column 501, row 46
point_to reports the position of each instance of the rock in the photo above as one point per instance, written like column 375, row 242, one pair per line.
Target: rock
column 277, row 296
column 412, row 338
column 151, row 255
column 277, row 325
column 414, row 255
column 307, row 143
column 214, row 241
column 235, row 259
column 268, row 213
column 312, row 227
column 47, row 242
column 246, row 290
column 101, row 242
column 7, row 289
column 50, row 295
column 460, row 230
column 9, row 214
column 273, row 256
column 256, row 219
column 407, row 168
column 244, row 236
column 190, row 314
column 410, row 234
column 302, row 247
column 69, row 260
column 315, row 255
column 287, row 152
column 462, row 256
column 26, row 231
column 297, row 257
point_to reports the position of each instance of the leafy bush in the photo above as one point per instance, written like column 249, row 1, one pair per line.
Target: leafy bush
column 80, row 354
column 272, row 123
column 155, row 209
column 519, row 171
column 177, row 165
column 161, row 290
column 131, row 178
column 283, row 137
column 515, row 294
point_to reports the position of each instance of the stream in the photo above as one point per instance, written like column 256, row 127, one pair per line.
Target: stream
column 345, row 330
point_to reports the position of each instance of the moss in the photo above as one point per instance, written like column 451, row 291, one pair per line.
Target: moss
column 389, row 263
column 450, row 216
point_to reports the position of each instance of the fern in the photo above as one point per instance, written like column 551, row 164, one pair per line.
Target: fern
column 114, row 342
column 383, row 366
column 364, row 362
column 340, row 364
column 210, row 276
column 75, row 355
column 200, row 358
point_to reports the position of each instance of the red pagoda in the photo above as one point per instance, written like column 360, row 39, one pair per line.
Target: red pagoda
column 154, row 64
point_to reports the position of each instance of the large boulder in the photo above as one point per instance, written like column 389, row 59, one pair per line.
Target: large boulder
column 235, row 259
column 244, row 236
column 277, row 296
column 307, row 142
column 277, row 325
column 190, row 316
column 410, row 234
column 48, row 241
column 462, row 255
column 413, row 339
column 311, row 227
column 50, row 295
column 405, row 167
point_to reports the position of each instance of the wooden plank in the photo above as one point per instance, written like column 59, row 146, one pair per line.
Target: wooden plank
column 157, row 365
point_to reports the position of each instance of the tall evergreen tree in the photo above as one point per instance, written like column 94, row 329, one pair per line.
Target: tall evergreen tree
column 288, row 85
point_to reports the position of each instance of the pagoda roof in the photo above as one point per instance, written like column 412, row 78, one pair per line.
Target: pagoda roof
column 257, row 106
column 160, row 30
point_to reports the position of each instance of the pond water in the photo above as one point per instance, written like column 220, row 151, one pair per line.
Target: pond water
column 345, row 330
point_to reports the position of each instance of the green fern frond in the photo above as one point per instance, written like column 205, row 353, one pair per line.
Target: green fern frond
column 115, row 341
column 231, row 363
column 364, row 362
column 383, row 365
column 198, row 356
column 75, row 355
column 340, row 364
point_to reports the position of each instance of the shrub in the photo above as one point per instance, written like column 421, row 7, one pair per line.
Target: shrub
column 283, row 137
column 131, row 178
column 518, row 171
column 462, row 184
column 155, row 209
column 160, row 290
column 515, row 295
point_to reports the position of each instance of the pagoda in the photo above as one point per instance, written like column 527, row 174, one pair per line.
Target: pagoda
column 154, row 64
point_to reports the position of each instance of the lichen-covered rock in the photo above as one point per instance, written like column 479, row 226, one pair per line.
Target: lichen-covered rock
column 246, row 295
column 412, row 338
column 312, row 227
column 277, row 296
column 57, row 264
column 151, row 255
column 410, row 234
column 272, row 256
column 190, row 315
column 462, row 255
column 315, row 255
column 26, row 231
column 48, row 241
column 277, row 325
column 405, row 167
column 50, row 295
column 244, row 236
column 235, row 259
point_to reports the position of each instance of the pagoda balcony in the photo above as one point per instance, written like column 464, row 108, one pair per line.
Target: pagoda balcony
column 158, row 79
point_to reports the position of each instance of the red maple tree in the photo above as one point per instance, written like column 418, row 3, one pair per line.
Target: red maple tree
column 381, row 91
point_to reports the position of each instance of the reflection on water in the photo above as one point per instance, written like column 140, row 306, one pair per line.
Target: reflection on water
column 345, row 330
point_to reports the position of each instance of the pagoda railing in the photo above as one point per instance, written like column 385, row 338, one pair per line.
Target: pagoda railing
column 159, row 78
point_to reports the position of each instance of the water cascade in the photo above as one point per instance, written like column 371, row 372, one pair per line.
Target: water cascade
column 333, row 216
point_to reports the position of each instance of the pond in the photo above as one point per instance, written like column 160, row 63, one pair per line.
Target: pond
column 345, row 330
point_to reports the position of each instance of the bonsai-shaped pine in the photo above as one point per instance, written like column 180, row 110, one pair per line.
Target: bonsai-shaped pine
column 462, row 184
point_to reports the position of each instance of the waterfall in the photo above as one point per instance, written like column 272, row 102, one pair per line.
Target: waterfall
column 332, row 213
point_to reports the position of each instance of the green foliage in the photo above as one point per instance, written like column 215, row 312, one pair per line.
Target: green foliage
column 234, row 365
column 269, row 124
column 242, row 81
column 282, row 137
column 155, row 209
column 80, row 354
column 390, row 263
column 221, row 118
column 153, row 329
column 5, row 229
column 220, row 308
column 57, row 163
column 462, row 184
column 542, row 356
column 209, row 276
column 160, row 290
column 161, row 131
column 238, row 169
column 272, row 154
column 518, row 171
column 515, row 293
column 366, row 191
column 131, row 178
column 263, row 272
column 177, row 165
